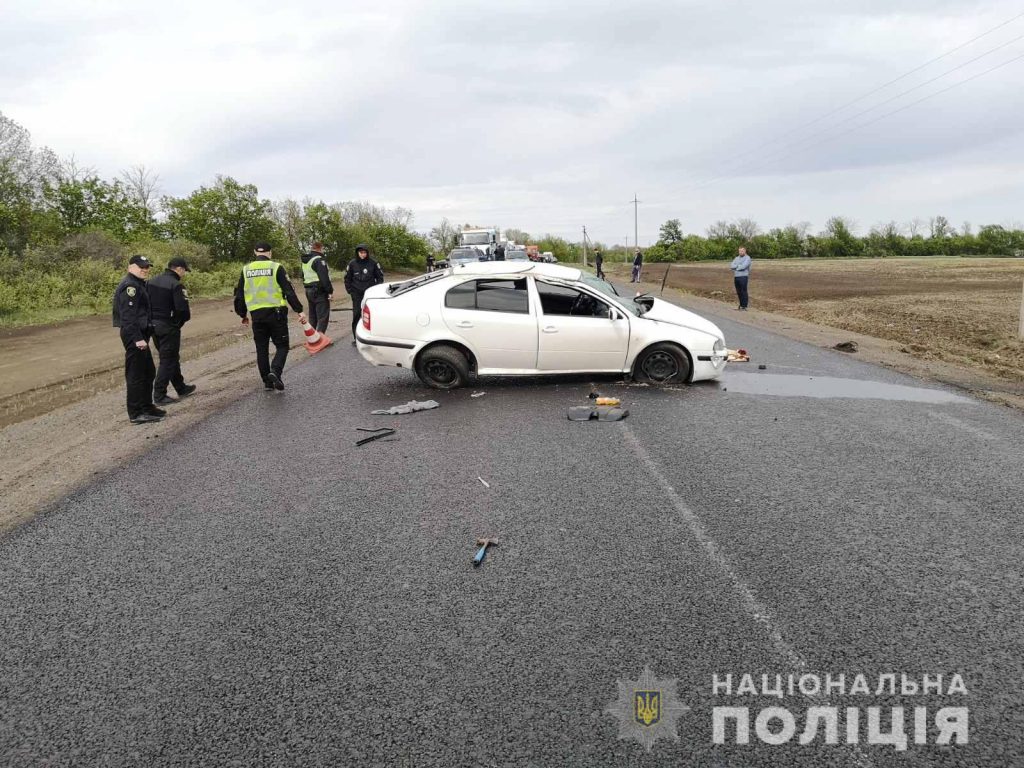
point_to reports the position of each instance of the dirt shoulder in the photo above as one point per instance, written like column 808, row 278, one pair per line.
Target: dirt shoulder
column 80, row 430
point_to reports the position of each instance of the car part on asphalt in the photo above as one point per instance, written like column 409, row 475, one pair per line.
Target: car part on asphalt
column 601, row 413
column 486, row 484
column 410, row 407
column 762, row 367
column 738, row 356
column 383, row 433
column 442, row 367
column 483, row 544
column 478, row 394
column 846, row 346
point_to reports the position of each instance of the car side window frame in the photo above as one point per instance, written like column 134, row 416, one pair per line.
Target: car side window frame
column 476, row 295
column 601, row 300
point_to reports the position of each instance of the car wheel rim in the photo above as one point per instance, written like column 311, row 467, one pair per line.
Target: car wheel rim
column 661, row 366
column 441, row 372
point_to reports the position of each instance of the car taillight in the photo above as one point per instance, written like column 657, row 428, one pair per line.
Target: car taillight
column 366, row 317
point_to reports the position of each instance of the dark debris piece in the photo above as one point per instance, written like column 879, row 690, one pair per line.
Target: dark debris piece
column 383, row 433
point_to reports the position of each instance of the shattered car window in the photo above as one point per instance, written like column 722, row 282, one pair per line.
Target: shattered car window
column 609, row 290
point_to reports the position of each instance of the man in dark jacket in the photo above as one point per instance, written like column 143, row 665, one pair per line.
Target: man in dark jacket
column 362, row 273
column 638, row 263
column 316, row 277
column 133, row 316
column 264, row 292
column 598, row 263
column 169, row 302
column 499, row 253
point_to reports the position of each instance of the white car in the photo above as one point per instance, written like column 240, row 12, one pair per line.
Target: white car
column 528, row 318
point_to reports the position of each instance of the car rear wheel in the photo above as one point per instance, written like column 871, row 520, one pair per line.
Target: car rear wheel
column 443, row 367
column 663, row 364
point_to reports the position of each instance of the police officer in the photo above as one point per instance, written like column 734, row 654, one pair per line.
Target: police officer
column 169, row 302
column 362, row 273
column 264, row 292
column 319, row 291
column 430, row 262
column 133, row 316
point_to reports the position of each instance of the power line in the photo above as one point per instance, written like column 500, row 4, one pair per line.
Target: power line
column 881, row 87
column 872, row 121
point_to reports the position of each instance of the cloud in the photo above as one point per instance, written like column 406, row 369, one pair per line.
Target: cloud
column 531, row 115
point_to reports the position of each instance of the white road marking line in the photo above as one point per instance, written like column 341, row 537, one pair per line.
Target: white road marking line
column 758, row 611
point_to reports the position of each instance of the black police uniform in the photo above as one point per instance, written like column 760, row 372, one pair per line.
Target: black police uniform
column 169, row 305
column 360, row 275
column 133, row 316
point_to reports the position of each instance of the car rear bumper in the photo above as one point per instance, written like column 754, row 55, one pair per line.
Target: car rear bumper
column 393, row 354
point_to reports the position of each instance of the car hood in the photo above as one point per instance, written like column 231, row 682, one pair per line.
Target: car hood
column 664, row 312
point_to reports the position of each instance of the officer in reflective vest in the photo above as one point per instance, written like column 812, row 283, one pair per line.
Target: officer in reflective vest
column 264, row 292
column 319, row 291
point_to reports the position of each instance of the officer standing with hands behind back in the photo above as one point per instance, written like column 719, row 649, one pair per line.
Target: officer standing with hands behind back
column 133, row 316
column 362, row 273
column 170, row 308
column 263, row 291
column 319, row 291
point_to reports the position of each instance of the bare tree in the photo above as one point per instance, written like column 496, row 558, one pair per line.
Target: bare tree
column 143, row 186
column 444, row 236
column 720, row 230
column 68, row 169
column 914, row 226
column 746, row 229
column 966, row 229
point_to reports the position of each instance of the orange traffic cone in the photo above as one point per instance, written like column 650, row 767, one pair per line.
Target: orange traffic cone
column 315, row 341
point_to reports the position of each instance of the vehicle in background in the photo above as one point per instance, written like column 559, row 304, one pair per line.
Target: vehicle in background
column 463, row 256
column 484, row 240
column 533, row 253
column 548, row 257
column 516, row 254
column 519, row 318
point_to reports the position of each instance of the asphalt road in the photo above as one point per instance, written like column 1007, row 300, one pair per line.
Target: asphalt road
column 260, row 591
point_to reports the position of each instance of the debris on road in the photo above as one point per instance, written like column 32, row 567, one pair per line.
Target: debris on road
column 478, row 394
column 483, row 544
column 601, row 413
column 846, row 346
column 410, row 407
column 608, row 401
column 762, row 367
column 486, row 484
column 386, row 432
column 737, row 356
column 368, row 429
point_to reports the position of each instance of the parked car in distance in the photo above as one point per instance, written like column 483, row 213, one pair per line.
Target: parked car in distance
column 463, row 256
column 526, row 318
column 516, row 254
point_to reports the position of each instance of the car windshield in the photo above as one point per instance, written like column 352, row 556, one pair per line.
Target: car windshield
column 516, row 255
column 476, row 238
column 609, row 290
column 464, row 254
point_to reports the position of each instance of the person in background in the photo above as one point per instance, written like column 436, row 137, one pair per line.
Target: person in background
column 316, row 278
column 499, row 252
column 132, row 315
column 169, row 302
column 598, row 263
column 638, row 262
column 264, row 292
column 740, row 276
column 362, row 273
column 430, row 262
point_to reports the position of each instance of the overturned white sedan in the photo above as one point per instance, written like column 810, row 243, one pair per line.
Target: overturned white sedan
column 526, row 318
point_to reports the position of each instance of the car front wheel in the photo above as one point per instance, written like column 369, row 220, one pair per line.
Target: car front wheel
column 662, row 364
column 443, row 367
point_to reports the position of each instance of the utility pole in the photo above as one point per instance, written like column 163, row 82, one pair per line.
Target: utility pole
column 584, row 247
column 636, row 219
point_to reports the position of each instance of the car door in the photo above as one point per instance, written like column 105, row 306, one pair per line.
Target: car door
column 578, row 331
column 494, row 318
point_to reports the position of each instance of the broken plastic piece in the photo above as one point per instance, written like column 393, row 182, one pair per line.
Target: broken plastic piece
column 383, row 433
column 601, row 413
column 478, row 394
column 611, row 413
column 410, row 407
column 582, row 413
column 486, row 484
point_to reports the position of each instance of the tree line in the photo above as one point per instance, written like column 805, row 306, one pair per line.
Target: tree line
column 917, row 238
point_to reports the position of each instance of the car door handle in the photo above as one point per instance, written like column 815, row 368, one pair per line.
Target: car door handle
column 549, row 329
column 464, row 324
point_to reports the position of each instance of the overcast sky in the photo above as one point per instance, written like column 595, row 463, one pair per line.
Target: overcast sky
column 544, row 118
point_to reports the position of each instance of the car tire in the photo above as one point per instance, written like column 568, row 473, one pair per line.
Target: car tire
column 662, row 364
column 443, row 367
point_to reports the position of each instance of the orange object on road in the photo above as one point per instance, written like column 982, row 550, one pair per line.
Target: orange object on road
column 738, row 356
column 315, row 341
column 607, row 401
